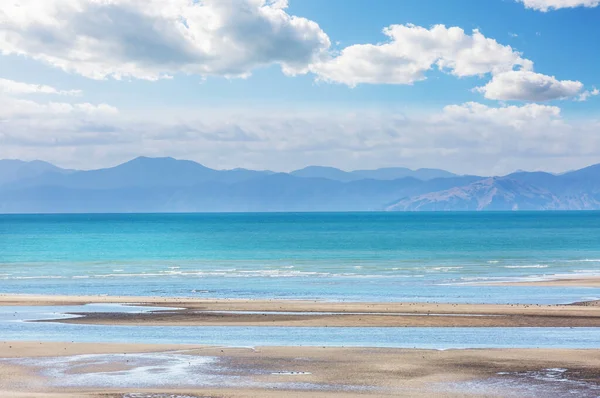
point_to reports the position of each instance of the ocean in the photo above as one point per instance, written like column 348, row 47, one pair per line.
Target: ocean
column 444, row 257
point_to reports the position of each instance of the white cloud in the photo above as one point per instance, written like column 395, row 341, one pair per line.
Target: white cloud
column 518, row 117
column 15, row 111
column 529, row 86
column 547, row 5
column 12, row 109
column 587, row 94
column 12, row 87
column 412, row 50
column 153, row 39
column 149, row 39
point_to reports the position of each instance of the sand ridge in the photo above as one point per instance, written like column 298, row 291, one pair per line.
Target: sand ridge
column 223, row 312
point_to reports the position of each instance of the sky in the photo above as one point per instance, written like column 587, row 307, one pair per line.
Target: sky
column 470, row 86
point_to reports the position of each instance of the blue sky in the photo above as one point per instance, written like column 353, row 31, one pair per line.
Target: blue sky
column 275, row 84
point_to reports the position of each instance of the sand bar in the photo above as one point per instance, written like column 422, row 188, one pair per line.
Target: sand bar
column 201, row 312
column 592, row 282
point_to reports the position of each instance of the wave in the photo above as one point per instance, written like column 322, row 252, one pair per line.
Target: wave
column 586, row 271
column 527, row 266
column 237, row 273
column 35, row 277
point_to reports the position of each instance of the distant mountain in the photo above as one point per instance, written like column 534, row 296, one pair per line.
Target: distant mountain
column 14, row 170
column 170, row 185
column 331, row 173
column 276, row 192
column 488, row 194
column 585, row 179
column 389, row 173
column 140, row 172
column 393, row 173
column 576, row 190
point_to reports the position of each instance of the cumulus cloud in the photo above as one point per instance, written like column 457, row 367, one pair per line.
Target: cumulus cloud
column 529, row 86
column 517, row 117
column 150, row 39
column 547, row 5
column 12, row 87
column 412, row 50
column 153, row 39
column 587, row 94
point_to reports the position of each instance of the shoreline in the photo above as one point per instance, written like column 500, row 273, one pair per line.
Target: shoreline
column 284, row 371
column 294, row 313
column 562, row 281
column 36, row 369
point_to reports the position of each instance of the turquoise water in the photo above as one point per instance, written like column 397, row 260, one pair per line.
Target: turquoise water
column 331, row 256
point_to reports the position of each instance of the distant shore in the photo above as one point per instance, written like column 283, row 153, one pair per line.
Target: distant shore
column 328, row 372
column 291, row 313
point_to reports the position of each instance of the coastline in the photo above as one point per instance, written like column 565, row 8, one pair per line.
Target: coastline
column 299, row 371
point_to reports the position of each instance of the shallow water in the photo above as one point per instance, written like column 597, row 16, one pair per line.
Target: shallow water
column 15, row 327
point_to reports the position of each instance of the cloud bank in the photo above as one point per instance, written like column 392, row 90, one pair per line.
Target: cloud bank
column 467, row 138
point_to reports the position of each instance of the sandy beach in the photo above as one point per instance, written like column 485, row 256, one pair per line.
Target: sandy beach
column 328, row 372
column 190, row 312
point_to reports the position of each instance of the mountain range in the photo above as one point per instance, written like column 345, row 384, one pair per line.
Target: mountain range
column 170, row 185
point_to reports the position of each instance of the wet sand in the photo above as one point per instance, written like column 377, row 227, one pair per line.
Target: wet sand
column 329, row 372
column 194, row 318
column 198, row 312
